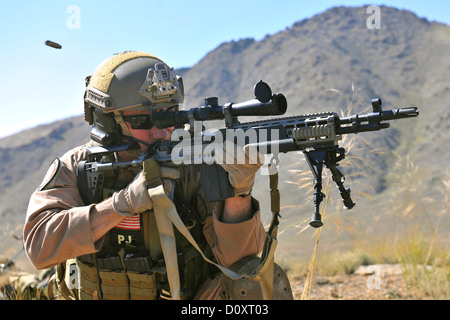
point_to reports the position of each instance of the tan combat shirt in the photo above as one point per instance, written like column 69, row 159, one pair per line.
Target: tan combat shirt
column 59, row 226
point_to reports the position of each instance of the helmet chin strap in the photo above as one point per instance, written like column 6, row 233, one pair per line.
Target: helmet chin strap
column 137, row 140
column 135, row 153
column 119, row 120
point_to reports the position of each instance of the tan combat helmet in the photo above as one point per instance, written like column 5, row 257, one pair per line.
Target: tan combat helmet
column 129, row 80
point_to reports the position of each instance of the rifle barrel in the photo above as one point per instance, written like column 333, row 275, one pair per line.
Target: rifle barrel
column 372, row 121
column 393, row 114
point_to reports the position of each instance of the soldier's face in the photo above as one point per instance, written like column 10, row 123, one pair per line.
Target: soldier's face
column 147, row 135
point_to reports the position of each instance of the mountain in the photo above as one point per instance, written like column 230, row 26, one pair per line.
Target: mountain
column 328, row 62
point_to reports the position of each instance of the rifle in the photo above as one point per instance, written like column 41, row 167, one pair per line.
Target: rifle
column 317, row 135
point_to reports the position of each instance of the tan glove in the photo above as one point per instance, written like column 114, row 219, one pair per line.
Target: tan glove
column 241, row 165
column 135, row 199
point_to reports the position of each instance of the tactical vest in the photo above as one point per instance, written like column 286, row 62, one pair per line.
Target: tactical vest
column 131, row 265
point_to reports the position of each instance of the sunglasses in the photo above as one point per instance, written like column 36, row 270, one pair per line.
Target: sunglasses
column 139, row 122
column 144, row 121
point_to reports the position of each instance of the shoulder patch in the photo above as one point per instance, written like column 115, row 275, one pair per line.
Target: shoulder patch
column 51, row 173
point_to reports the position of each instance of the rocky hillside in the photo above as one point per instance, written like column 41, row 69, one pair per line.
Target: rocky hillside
column 327, row 62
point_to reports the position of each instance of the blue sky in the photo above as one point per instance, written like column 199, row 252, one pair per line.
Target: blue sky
column 39, row 84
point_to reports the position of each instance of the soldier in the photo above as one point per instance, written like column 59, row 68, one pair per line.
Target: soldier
column 111, row 249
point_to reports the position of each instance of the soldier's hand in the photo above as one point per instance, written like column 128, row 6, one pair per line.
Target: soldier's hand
column 135, row 199
column 241, row 165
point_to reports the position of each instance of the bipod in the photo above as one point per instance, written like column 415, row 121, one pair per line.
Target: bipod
column 329, row 157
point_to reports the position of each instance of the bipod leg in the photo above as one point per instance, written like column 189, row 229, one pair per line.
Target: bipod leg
column 315, row 161
column 339, row 179
column 331, row 161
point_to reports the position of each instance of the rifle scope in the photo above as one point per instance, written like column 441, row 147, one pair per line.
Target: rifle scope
column 265, row 104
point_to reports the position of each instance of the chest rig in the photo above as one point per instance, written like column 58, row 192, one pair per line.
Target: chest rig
column 131, row 263
column 136, row 265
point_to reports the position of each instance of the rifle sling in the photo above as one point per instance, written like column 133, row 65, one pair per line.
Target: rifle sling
column 166, row 215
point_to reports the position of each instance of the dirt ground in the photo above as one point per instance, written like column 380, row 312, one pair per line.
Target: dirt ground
column 376, row 282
